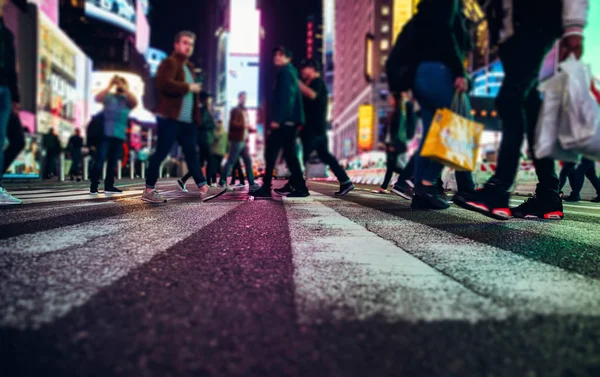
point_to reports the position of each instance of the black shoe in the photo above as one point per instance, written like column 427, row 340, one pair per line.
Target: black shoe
column 536, row 208
column 464, row 196
column 344, row 189
column 431, row 195
column 94, row 190
column 491, row 201
column 263, row 192
column 403, row 190
column 182, row 185
column 287, row 189
column 572, row 198
column 596, row 199
column 419, row 203
column 112, row 190
column 299, row 194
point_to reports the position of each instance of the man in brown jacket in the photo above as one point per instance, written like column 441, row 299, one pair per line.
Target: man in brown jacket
column 177, row 114
column 239, row 122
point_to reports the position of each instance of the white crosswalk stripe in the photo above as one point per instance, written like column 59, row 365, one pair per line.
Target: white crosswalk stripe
column 353, row 262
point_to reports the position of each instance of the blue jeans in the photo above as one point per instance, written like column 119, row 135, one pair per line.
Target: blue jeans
column 169, row 131
column 108, row 150
column 5, row 110
column 237, row 149
column 434, row 89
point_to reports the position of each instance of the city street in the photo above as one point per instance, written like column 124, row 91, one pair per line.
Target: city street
column 319, row 286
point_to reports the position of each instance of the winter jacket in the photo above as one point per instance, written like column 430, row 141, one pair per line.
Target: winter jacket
column 287, row 100
column 237, row 124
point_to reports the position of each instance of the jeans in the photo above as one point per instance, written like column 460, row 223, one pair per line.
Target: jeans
column 108, row 150
column 321, row 146
column 204, row 158
column 237, row 173
column 283, row 138
column 237, row 149
column 5, row 110
column 169, row 131
column 519, row 104
column 576, row 175
column 434, row 89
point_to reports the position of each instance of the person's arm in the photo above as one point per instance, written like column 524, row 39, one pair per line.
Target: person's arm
column 165, row 79
column 307, row 90
column 132, row 102
column 103, row 93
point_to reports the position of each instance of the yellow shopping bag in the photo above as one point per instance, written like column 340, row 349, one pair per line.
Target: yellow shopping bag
column 453, row 140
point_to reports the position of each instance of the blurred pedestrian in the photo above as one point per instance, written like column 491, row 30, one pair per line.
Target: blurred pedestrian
column 239, row 126
column 395, row 140
column 118, row 102
column 53, row 148
column 218, row 150
column 74, row 148
column 287, row 115
column 237, row 174
column 526, row 31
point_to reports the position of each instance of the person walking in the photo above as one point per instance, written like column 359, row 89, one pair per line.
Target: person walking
column 577, row 175
column 239, row 126
column 74, row 148
column 525, row 32
column 287, row 115
column 218, row 150
column 314, row 132
column 395, row 140
column 178, row 112
column 53, row 148
column 206, row 138
column 118, row 102
column 9, row 105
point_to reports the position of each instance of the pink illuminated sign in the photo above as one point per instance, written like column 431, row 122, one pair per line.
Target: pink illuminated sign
column 49, row 8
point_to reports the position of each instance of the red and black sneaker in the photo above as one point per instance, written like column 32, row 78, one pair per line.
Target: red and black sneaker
column 536, row 208
column 490, row 201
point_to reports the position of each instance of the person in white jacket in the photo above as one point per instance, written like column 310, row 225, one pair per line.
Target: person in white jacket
column 525, row 32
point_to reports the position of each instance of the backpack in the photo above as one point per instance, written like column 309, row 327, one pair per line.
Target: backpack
column 95, row 130
column 402, row 62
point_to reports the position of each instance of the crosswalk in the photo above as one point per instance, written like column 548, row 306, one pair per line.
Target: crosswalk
column 359, row 258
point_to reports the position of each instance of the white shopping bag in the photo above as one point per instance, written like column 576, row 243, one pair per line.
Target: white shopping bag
column 582, row 113
column 549, row 121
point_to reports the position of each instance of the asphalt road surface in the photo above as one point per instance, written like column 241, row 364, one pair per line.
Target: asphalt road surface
column 319, row 286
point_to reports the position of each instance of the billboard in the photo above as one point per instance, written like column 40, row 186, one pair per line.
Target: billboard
column 242, row 75
column 366, row 121
column 142, row 35
column 49, row 8
column 154, row 57
column 121, row 13
column 28, row 162
column 63, row 74
column 244, row 27
column 403, row 11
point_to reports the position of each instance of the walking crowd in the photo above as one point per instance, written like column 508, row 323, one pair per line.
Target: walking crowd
column 426, row 74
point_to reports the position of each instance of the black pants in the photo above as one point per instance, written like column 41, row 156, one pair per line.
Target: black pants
column 50, row 164
column 391, row 168
column 16, row 142
column 577, row 174
column 205, row 159
column 108, row 150
column 75, row 163
column 320, row 144
column 237, row 173
column 519, row 104
column 217, row 159
column 283, row 138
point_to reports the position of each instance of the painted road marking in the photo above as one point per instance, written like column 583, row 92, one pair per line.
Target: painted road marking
column 38, row 289
column 343, row 272
column 523, row 286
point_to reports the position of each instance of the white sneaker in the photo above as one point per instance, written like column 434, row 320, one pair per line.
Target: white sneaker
column 254, row 187
column 8, row 199
column 153, row 197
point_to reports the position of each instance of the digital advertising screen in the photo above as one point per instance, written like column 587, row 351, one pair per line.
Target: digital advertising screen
column 63, row 80
column 120, row 13
column 28, row 162
column 142, row 34
column 242, row 75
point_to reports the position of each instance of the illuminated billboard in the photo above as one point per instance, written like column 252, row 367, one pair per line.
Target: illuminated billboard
column 121, row 13
column 244, row 27
column 48, row 7
column 142, row 35
column 242, row 75
column 63, row 76
column 366, row 121
column 27, row 164
column 154, row 57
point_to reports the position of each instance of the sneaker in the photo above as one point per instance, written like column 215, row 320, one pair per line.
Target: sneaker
column 240, row 185
column 112, row 190
column 381, row 190
column 572, row 198
column 286, row 189
column 182, row 185
column 431, row 195
column 403, row 190
column 463, row 196
column 536, row 208
column 262, row 192
column 203, row 191
column 419, row 203
column 222, row 185
column 254, row 187
column 153, row 196
column 596, row 199
column 94, row 190
column 344, row 189
column 491, row 201
column 298, row 194
column 8, row 199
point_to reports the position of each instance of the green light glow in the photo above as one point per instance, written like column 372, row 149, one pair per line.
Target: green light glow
column 591, row 46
